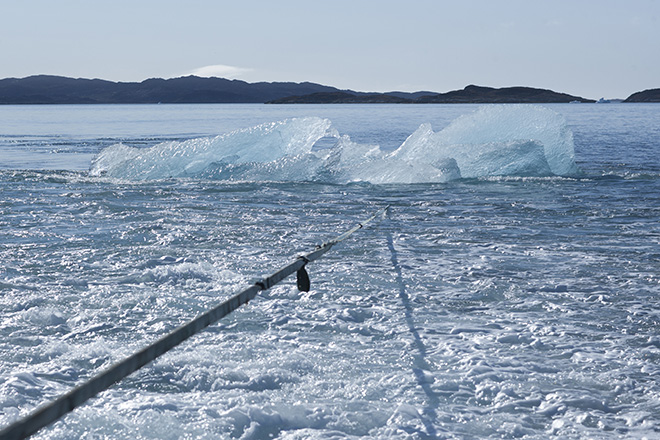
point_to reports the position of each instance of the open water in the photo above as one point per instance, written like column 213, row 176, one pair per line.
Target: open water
column 513, row 290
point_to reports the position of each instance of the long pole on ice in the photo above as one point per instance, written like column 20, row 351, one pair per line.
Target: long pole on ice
column 49, row 413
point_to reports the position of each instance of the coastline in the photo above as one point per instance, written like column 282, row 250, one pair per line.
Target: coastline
column 48, row 89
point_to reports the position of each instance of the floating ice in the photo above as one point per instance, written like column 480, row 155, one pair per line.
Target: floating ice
column 499, row 140
column 502, row 140
column 261, row 144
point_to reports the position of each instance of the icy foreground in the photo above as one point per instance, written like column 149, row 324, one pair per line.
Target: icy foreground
column 479, row 308
column 512, row 140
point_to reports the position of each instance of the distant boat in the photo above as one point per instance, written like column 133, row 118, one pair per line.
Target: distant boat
column 575, row 102
column 603, row 101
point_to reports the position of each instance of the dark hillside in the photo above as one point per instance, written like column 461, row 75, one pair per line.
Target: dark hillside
column 651, row 95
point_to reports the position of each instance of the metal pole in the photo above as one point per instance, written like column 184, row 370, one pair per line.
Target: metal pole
column 49, row 413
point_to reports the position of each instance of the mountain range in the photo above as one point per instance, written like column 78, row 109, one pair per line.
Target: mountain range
column 48, row 89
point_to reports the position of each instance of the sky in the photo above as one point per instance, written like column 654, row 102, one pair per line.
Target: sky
column 588, row 48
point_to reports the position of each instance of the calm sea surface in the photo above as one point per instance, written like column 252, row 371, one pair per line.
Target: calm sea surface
column 507, row 304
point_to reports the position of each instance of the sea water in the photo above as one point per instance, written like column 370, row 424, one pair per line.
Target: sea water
column 512, row 291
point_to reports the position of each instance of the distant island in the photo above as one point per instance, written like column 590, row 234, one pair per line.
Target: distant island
column 651, row 95
column 48, row 89
column 469, row 95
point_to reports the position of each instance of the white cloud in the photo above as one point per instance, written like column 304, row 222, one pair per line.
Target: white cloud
column 221, row 71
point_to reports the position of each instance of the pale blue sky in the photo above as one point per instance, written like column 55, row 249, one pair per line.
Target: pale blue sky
column 591, row 48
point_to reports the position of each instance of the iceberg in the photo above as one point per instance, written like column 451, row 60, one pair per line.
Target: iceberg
column 496, row 140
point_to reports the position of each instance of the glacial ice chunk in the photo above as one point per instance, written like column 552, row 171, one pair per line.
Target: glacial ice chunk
column 504, row 140
column 263, row 143
column 496, row 140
